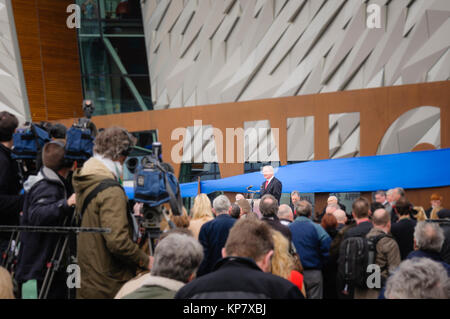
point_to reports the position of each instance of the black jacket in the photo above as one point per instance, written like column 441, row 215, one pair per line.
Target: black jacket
column 45, row 205
column 274, row 188
column 213, row 236
column 403, row 233
column 10, row 201
column 360, row 230
column 275, row 223
column 239, row 278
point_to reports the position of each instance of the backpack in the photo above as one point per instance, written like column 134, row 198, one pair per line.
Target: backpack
column 355, row 255
column 28, row 141
column 79, row 143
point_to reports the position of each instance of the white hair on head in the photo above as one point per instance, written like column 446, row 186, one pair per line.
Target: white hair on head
column 268, row 168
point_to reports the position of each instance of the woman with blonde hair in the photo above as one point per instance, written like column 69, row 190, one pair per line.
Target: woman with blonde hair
column 6, row 285
column 421, row 215
column 201, row 213
column 284, row 264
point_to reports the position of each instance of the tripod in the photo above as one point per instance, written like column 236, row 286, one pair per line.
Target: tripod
column 55, row 263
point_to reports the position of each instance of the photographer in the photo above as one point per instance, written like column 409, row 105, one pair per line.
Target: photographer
column 109, row 260
column 47, row 203
column 10, row 201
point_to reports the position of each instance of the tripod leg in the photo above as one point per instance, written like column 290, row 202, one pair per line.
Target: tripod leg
column 54, row 268
column 5, row 253
column 49, row 268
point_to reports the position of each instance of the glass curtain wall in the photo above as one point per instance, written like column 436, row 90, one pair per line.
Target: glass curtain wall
column 113, row 56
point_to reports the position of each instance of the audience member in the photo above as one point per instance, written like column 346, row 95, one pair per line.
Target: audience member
column 360, row 212
column 142, row 277
column 245, row 209
column 381, row 197
column 444, row 214
column 283, row 263
column 428, row 241
column 176, row 260
column 213, row 235
column 341, row 218
column 387, row 255
column 201, row 213
column 235, row 211
column 436, row 206
column 285, row 215
column 239, row 197
column 403, row 230
column 295, row 198
column 419, row 213
column 269, row 209
column 6, row 285
column 244, row 271
column 418, row 278
column 313, row 244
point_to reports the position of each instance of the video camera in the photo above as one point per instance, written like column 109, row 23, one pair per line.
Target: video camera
column 154, row 185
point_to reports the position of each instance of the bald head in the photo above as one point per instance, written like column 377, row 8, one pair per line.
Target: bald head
column 341, row 216
column 285, row 212
column 331, row 208
column 381, row 217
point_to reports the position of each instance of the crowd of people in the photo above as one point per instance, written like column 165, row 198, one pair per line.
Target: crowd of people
column 221, row 249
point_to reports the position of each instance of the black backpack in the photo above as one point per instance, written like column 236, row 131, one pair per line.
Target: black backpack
column 355, row 254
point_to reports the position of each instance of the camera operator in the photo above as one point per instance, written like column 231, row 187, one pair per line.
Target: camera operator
column 109, row 260
column 56, row 132
column 47, row 203
column 10, row 201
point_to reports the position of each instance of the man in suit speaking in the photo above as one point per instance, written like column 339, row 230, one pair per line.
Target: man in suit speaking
column 272, row 185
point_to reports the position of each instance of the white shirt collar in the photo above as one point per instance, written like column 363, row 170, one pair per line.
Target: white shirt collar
column 270, row 179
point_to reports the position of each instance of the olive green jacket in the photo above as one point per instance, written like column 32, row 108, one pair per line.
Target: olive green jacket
column 107, row 260
column 156, row 288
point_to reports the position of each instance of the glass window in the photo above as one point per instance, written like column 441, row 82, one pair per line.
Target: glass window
column 113, row 56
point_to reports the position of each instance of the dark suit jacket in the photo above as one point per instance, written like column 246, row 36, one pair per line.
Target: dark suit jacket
column 274, row 188
column 275, row 223
column 213, row 236
column 403, row 232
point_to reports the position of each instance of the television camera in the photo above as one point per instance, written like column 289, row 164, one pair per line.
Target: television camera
column 154, row 185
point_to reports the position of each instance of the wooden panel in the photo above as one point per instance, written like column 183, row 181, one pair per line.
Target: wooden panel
column 49, row 52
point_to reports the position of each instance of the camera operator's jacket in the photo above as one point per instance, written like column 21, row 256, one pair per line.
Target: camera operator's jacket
column 107, row 260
